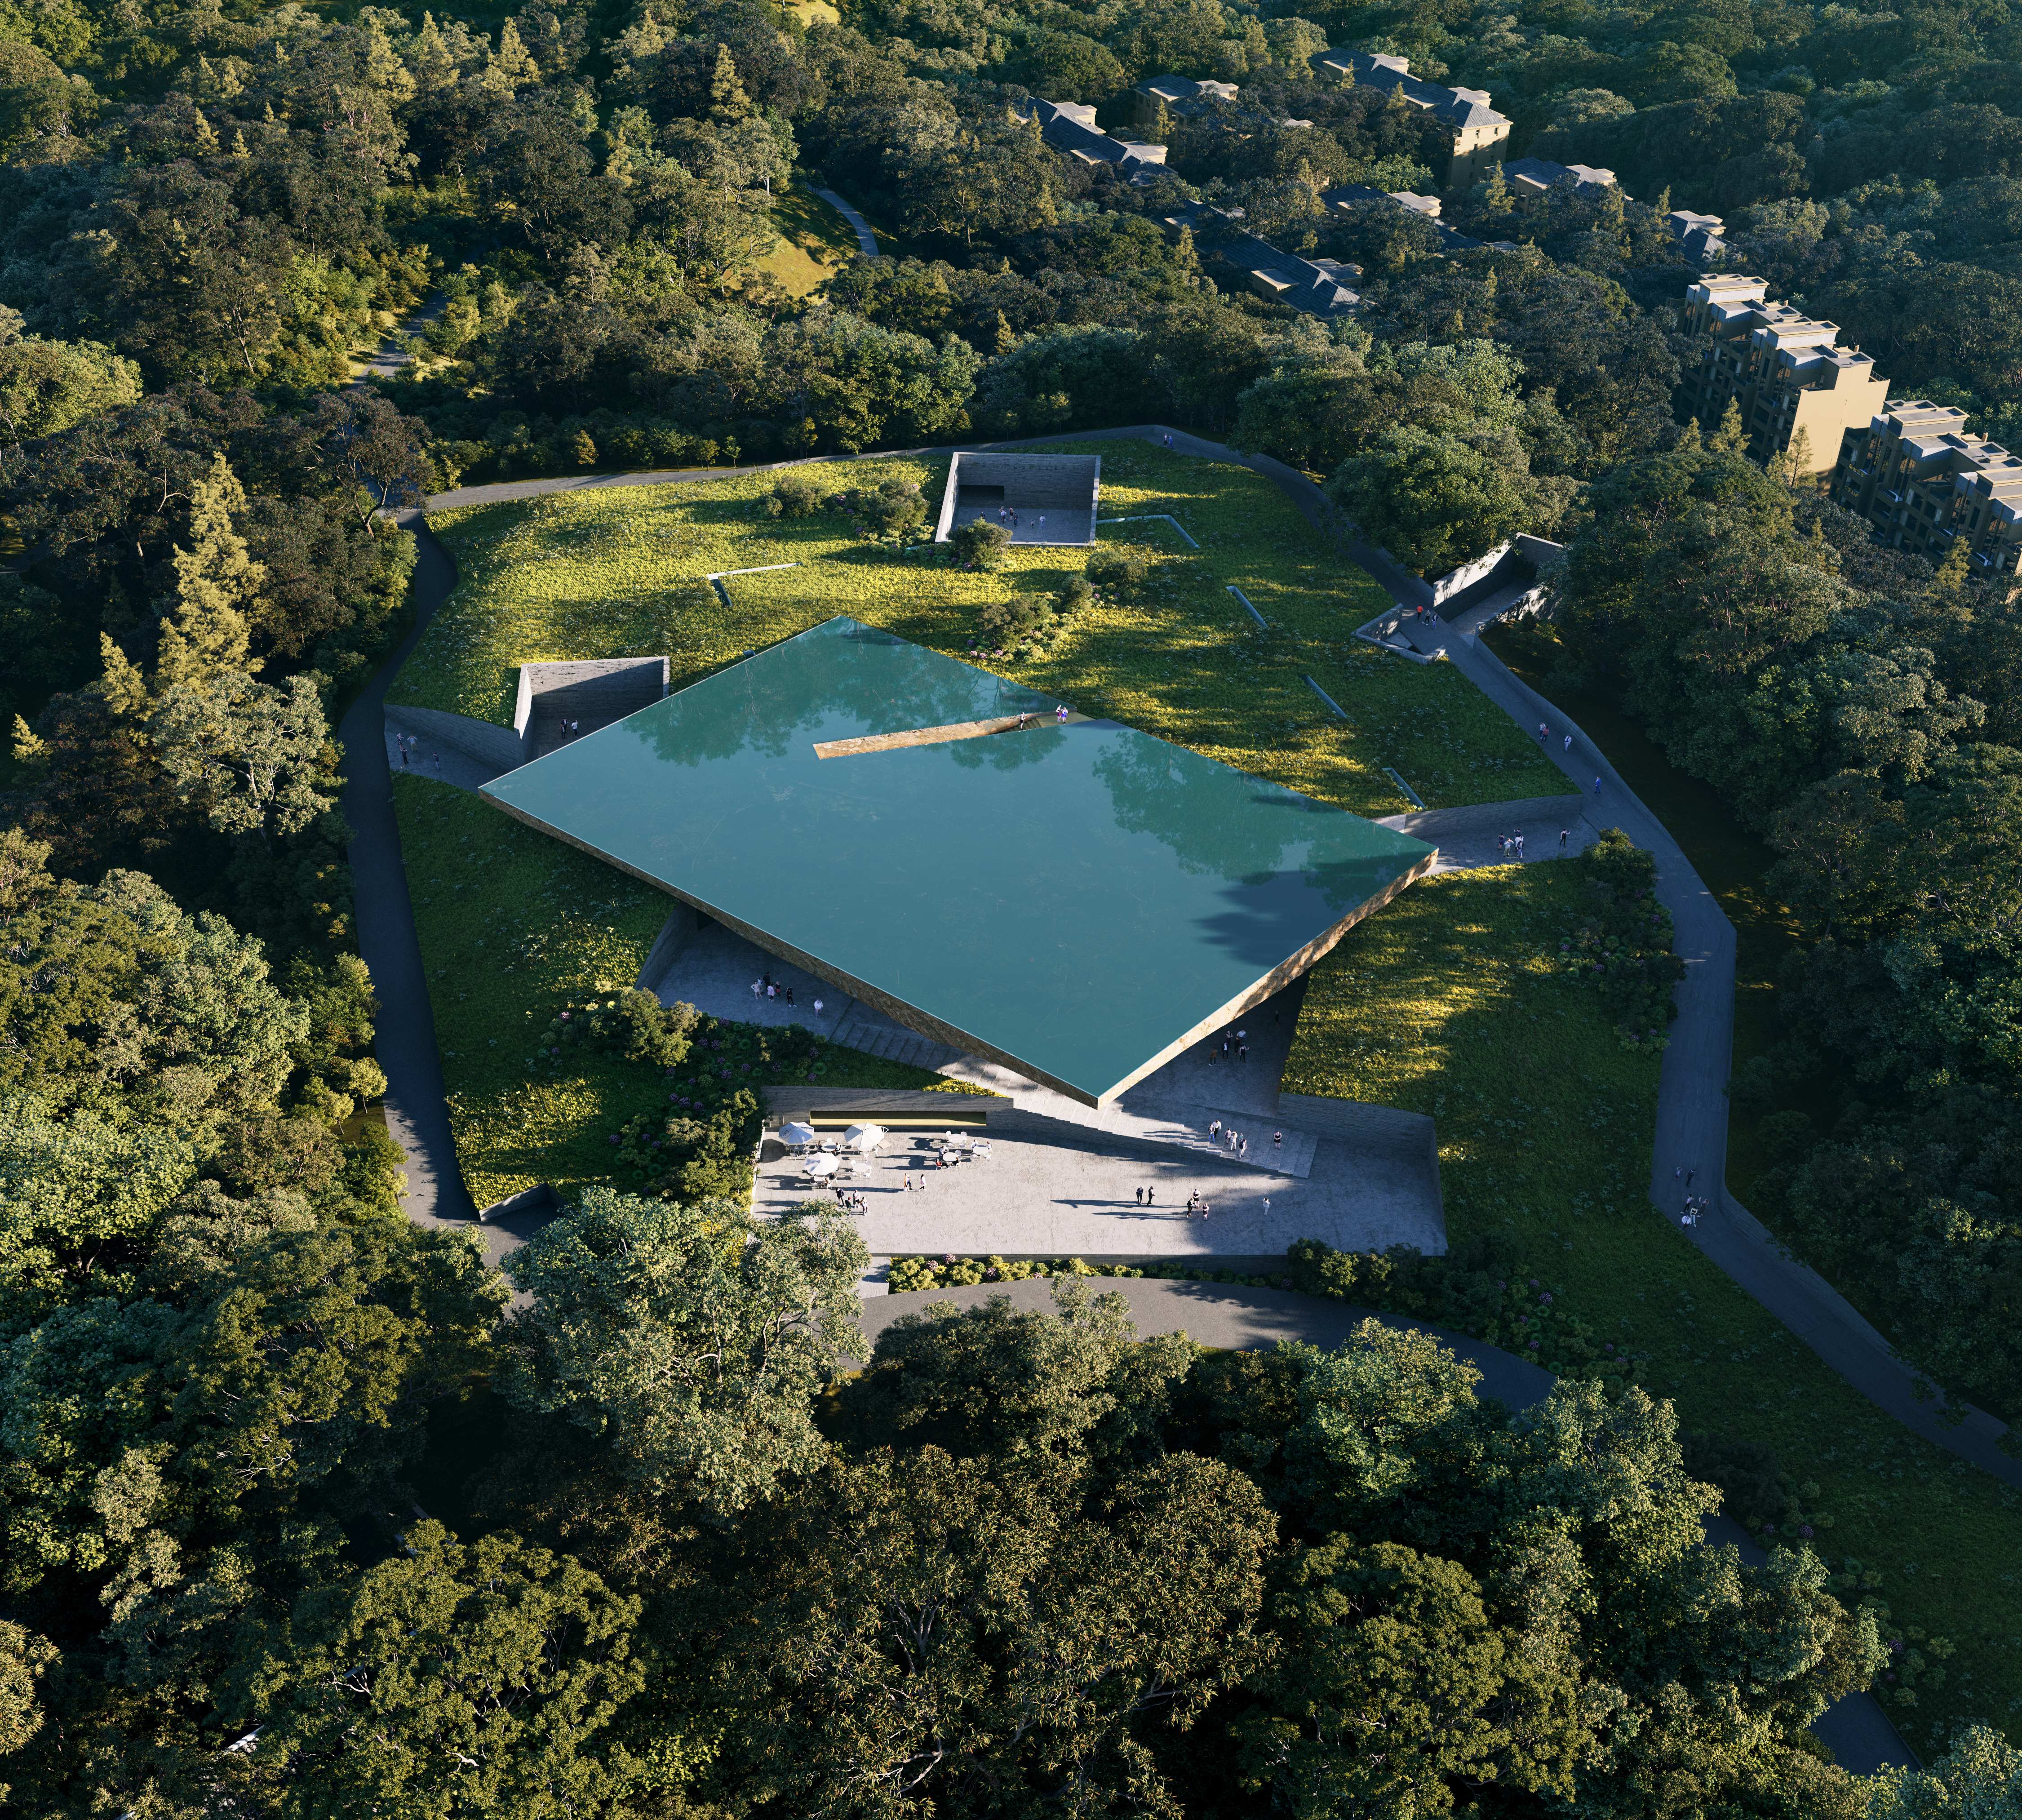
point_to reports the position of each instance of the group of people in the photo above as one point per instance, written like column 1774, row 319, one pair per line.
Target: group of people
column 1234, row 1046
column 776, row 993
column 409, row 744
column 1007, row 516
column 1695, row 1204
column 1235, row 1141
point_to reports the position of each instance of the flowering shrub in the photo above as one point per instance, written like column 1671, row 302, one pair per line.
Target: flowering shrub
column 1916, row 1658
column 634, row 1025
column 1624, row 947
column 680, row 1158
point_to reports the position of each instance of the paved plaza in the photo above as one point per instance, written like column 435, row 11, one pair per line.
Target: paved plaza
column 1049, row 1189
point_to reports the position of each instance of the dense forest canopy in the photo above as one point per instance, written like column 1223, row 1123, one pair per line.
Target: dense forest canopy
column 1024, row 1563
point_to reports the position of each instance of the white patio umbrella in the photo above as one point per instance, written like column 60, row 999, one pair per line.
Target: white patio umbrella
column 797, row 1134
column 822, row 1165
column 864, row 1137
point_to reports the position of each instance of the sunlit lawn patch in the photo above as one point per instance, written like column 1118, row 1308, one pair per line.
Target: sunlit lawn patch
column 613, row 572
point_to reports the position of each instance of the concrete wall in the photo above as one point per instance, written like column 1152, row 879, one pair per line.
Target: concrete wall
column 601, row 689
column 1043, row 482
column 482, row 741
column 679, row 928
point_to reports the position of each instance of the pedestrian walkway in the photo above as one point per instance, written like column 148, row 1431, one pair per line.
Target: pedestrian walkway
column 866, row 242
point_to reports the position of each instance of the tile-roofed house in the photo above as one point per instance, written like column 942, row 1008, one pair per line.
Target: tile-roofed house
column 1323, row 287
column 1180, row 95
column 1474, row 130
column 1698, row 234
column 1532, row 179
column 1069, row 128
column 1347, row 196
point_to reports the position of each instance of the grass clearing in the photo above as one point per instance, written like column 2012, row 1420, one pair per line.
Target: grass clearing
column 1450, row 1004
column 815, row 243
column 512, row 926
column 611, row 572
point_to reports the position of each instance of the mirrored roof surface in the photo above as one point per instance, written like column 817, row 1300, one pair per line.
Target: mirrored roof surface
column 1075, row 900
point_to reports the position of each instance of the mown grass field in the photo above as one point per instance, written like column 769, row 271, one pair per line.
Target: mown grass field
column 613, row 572
column 512, row 926
column 1448, row 1003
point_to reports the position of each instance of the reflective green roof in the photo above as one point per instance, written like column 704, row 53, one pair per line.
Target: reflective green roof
column 1078, row 901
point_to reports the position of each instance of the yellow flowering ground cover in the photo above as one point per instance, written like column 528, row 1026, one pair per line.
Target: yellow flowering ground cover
column 512, row 926
column 619, row 572
column 1450, row 1002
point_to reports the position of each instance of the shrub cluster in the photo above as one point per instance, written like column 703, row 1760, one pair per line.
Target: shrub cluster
column 1624, row 946
column 949, row 1272
column 894, row 507
column 1482, row 1288
column 634, row 1025
column 681, row 1158
column 1028, row 623
column 725, row 1057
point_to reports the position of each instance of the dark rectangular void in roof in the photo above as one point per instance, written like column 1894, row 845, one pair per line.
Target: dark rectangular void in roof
column 1078, row 902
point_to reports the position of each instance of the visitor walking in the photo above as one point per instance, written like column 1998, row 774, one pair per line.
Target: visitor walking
column 772, row 992
column 1138, row 1196
column 1245, row 1150
column 758, row 988
column 790, row 995
column 1568, row 745
column 1520, row 846
column 1596, row 786
column 1562, row 833
column 1147, row 1195
column 818, row 1007
column 1277, row 1140
column 1214, row 1130
column 1544, row 733
column 1242, row 1052
column 437, row 757
column 1267, row 1206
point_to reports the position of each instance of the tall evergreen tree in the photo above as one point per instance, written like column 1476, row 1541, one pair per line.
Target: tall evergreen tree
column 216, row 584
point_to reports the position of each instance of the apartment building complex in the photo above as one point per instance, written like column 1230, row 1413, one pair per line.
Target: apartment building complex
column 1474, row 131
column 1922, row 481
column 1786, row 372
column 1530, row 179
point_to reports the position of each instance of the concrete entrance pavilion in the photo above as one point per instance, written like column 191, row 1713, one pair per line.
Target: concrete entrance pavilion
column 1071, row 900
column 1039, row 499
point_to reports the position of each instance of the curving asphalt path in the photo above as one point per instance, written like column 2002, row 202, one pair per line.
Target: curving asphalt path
column 1854, row 1729
column 866, row 241
column 1691, row 1117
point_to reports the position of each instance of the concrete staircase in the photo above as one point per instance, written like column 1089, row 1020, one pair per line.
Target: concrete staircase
column 871, row 1035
